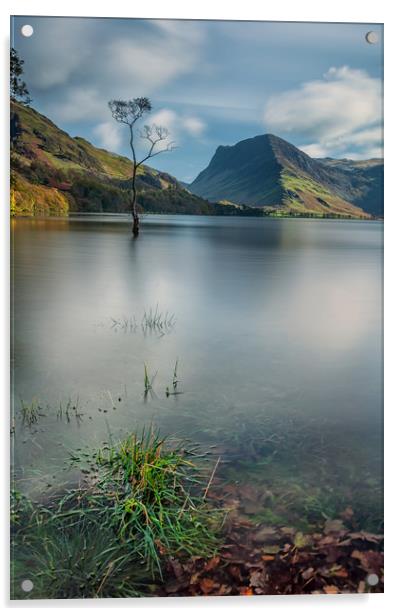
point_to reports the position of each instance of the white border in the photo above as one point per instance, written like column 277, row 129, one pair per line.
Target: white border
column 286, row 10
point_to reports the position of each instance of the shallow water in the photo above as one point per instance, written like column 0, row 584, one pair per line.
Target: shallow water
column 271, row 317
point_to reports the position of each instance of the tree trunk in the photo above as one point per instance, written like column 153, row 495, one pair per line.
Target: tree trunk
column 135, row 215
column 135, row 226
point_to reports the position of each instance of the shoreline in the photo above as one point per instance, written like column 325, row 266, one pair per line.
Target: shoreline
column 126, row 216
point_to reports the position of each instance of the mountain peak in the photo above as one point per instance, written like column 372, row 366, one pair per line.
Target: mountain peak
column 268, row 171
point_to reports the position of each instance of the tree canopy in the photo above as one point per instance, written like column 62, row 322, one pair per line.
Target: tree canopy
column 18, row 88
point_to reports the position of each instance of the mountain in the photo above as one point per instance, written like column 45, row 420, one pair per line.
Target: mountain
column 365, row 178
column 268, row 172
column 54, row 174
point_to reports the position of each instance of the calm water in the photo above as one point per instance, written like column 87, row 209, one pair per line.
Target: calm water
column 272, row 316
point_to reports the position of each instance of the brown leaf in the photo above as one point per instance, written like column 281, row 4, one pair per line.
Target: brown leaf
column 371, row 537
column 361, row 587
column 271, row 549
column 245, row 590
column 333, row 554
column 370, row 561
column 334, row 526
column 224, row 589
column 328, row 540
column 338, row 572
column 308, row 573
column 194, row 578
column 331, row 590
column 264, row 534
column 235, row 572
column 212, row 563
column 206, row 585
column 257, row 579
column 347, row 514
column 176, row 567
column 287, row 531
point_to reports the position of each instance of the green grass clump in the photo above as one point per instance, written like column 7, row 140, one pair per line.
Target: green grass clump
column 142, row 503
column 157, row 498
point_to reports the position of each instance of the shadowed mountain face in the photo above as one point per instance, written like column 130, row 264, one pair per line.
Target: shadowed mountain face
column 365, row 182
column 267, row 171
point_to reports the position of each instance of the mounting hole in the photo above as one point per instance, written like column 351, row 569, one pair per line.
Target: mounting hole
column 372, row 579
column 27, row 30
column 372, row 37
column 27, row 585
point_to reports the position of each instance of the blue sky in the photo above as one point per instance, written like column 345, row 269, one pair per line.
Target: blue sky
column 211, row 83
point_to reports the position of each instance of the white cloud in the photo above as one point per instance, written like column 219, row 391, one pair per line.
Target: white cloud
column 111, row 135
column 342, row 110
column 80, row 104
column 108, row 135
column 105, row 63
column 315, row 150
column 178, row 126
column 194, row 126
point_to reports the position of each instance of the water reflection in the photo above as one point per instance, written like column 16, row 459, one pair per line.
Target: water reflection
column 272, row 316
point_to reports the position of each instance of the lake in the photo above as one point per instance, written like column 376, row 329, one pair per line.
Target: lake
column 275, row 325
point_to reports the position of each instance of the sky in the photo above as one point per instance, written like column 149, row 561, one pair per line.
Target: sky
column 210, row 83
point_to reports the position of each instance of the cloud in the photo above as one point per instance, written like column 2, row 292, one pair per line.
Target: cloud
column 111, row 135
column 194, row 126
column 342, row 110
column 108, row 135
column 178, row 126
column 80, row 104
column 76, row 66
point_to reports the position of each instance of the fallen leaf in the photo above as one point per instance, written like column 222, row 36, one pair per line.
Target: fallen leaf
column 176, row 567
column 224, row 589
column 264, row 534
column 206, row 585
column 235, row 572
column 308, row 573
column 331, row 590
column 370, row 561
column 364, row 536
column 271, row 549
column 212, row 563
column 339, row 572
column 300, row 540
column 246, row 591
column 287, row 531
column 334, row 526
column 257, row 579
column 347, row 514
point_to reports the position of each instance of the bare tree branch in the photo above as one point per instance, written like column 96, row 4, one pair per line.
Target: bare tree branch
column 155, row 134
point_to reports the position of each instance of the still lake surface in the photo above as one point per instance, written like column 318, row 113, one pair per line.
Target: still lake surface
column 272, row 316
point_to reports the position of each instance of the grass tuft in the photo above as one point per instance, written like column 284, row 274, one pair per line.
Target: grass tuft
column 142, row 503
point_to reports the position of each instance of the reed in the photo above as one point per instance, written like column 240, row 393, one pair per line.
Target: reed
column 31, row 413
column 156, row 321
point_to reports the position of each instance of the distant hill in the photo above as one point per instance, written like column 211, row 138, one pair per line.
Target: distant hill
column 365, row 179
column 53, row 174
column 269, row 172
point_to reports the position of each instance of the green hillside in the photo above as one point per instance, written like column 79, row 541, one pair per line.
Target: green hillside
column 54, row 174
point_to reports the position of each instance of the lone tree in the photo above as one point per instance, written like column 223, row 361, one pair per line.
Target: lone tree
column 18, row 88
column 129, row 112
